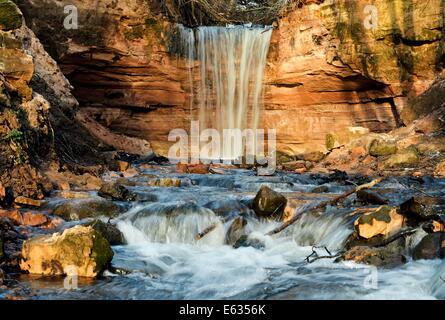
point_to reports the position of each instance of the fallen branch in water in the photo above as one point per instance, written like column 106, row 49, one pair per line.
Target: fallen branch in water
column 317, row 257
column 212, row 227
column 323, row 205
column 394, row 237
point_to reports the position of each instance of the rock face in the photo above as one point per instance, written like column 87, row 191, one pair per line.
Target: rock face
column 36, row 108
column 327, row 70
column 81, row 248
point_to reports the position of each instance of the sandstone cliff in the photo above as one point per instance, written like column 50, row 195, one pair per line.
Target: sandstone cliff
column 326, row 70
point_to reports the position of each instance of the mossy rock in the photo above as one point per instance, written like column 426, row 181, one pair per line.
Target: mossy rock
column 89, row 208
column 381, row 148
column 80, row 250
column 404, row 158
column 10, row 16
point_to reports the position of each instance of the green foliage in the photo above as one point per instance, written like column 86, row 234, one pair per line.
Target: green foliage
column 15, row 136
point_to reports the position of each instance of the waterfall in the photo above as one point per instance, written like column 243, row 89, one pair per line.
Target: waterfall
column 232, row 63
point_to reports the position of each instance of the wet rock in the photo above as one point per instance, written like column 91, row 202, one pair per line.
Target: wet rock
column 2, row 274
column 381, row 148
column 384, row 221
column 294, row 165
column 423, row 208
column 193, row 168
column 403, row 158
column 109, row 231
column 10, row 245
column 236, row 231
column 28, row 202
column 80, row 248
column 116, row 191
column 284, row 157
column 245, row 241
column 431, row 246
column 165, row 182
column 320, row 189
column 391, row 256
column 269, row 204
column 433, row 226
column 89, row 208
column 228, row 208
column 34, row 219
column 13, row 215
column 338, row 176
column 371, row 197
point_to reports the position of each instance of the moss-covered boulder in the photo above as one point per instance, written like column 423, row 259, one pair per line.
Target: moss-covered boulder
column 269, row 203
column 404, row 158
column 10, row 16
column 109, row 231
column 384, row 221
column 116, row 191
column 86, row 208
column 80, row 248
column 380, row 148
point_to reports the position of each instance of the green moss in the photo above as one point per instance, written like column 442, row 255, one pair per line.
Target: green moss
column 330, row 141
column 380, row 215
column 134, row 33
column 101, row 253
column 381, row 148
column 10, row 16
column 15, row 136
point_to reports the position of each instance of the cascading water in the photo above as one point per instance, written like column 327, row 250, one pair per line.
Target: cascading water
column 232, row 63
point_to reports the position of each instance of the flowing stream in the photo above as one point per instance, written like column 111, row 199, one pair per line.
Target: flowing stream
column 166, row 262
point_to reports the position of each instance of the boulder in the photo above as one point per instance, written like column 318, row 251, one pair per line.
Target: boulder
column 269, row 204
column 88, row 208
column 432, row 246
column 10, row 16
column 344, row 137
column 236, row 231
column 27, row 202
column 384, row 221
column 109, row 231
column 423, row 208
column 381, row 148
column 294, row 165
column 34, row 219
column 80, row 247
column 245, row 241
column 388, row 257
column 403, row 158
column 371, row 197
column 116, row 191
